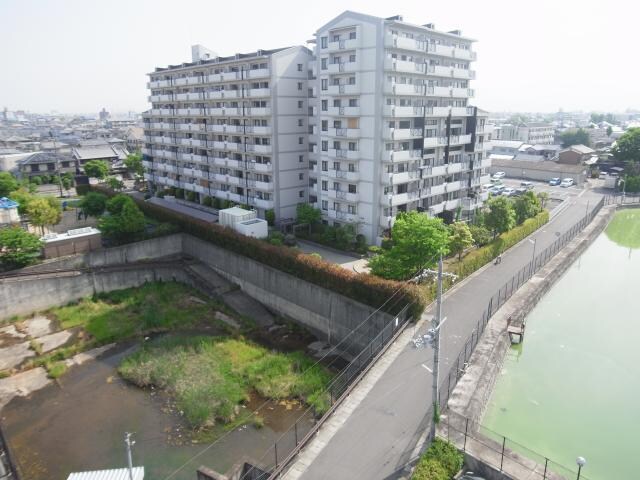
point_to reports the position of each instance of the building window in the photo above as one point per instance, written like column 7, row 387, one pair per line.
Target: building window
column 324, row 186
column 352, row 146
column 325, row 166
column 352, row 80
column 352, row 189
column 325, row 145
column 352, row 58
column 299, row 103
column 300, row 140
column 300, row 158
column 300, row 122
column 353, row 102
column 299, row 85
column 324, row 105
column 352, row 35
column 325, row 205
column 324, row 84
column 323, row 42
column 301, row 176
column 324, row 125
column 323, row 63
column 301, row 193
column 299, row 67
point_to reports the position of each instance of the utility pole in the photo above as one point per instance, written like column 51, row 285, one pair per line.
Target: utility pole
column 55, row 154
column 129, row 443
column 435, row 389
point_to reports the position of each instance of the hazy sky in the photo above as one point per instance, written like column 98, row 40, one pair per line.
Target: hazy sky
column 536, row 55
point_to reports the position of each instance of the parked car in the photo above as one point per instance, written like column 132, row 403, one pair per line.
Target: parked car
column 567, row 182
column 527, row 185
column 499, row 175
column 507, row 192
column 554, row 181
column 496, row 181
column 488, row 186
column 496, row 190
column 520, row 191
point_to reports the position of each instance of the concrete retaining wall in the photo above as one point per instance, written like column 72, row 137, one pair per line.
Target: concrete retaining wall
column 329, row 315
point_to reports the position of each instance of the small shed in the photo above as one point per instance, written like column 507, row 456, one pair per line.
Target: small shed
column 8, row 211
column 114, row 474
column 256, row 227
column 79, row 240
column 229, row 217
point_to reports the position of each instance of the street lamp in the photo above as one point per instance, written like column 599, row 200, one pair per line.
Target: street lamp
column 581, row 461
column 534, row 241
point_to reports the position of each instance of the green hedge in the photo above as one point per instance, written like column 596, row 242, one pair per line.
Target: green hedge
column 367, row 289
column 441, row 461
column 480, row 257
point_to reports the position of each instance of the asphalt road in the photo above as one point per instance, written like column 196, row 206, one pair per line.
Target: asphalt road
column 379, row 438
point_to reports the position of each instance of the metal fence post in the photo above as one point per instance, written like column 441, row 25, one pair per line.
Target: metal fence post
column 504, row 440
column 275, row 449
column 295, row 432
column 546, row 462
column 466, row 428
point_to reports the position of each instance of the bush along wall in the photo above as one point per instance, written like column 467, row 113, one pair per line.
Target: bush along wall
column 480, row 257
column 367, row 289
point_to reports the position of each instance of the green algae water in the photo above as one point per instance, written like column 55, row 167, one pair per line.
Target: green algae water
column 573, row 388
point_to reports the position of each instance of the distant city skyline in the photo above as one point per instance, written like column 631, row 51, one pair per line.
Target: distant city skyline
column 75, row 56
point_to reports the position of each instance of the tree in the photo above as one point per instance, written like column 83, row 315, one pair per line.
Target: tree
column 23, row 196
column 460, row 238
column 579, row 137
column 114, row 183
column 67, row 181
column 501, row 216
column 44, row 211
column 126, row 223
column 96, row 168
column 544, row 198
column 8, row 184
column 133, row 162
column 609, row 131
column 270, row 217
column 481, row 236
column 18, row 247
column 527, row 206
column 627, row 147
column 418, row 240
column 93, row 204
column 306, row 214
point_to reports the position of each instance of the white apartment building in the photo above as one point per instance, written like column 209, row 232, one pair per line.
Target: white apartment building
column 533, row 133
column 235, row 128
column 393, row 127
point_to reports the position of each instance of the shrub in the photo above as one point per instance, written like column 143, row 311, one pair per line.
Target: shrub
column 160, row 194
column 477, row 259
column 216, row 203
column 36, row 180
column 270, row 217
column 179, row 193
column 207, row 201
column 441, row 461
column 430, row 470
column 481, row 236
column 191, row 196
column 83, row 189
column 290, row 240
column 367, row 289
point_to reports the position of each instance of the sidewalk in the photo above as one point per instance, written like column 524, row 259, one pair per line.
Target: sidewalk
column 386, row 429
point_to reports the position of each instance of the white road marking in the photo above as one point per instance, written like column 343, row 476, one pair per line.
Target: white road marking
column 427, row 368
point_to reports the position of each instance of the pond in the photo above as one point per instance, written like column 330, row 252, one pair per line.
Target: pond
column 572, row 388
column 79, row 424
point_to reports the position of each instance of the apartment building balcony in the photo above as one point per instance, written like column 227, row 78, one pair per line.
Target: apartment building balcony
column 462, row 111
column 459, row 139
column 394, row 199
column 452, row 204
column 387, row 221
column 343, row 154
column 165, row 112
column 343, row 195
column 340, row 111
column 257, row 130
column 189, row 172
column 435, row 209
column 228, row 163
column 434, row 142
column 485, row 179
column 159, row 84
column 394, row 65
column 192, row 142
column 399, row 177
column 191, row 127
column 345, row 175
column 195, row 80
column 222, row 77
column 148, row 151
column 343, row 132
column 191, row 96
column 257, row 73
column 224, row 128
column 398, row 111
column 401, row 133
column 224, row 111
column 160, row 98
column 401, row 155
column 258, row 185
column 219, row 94
column 250, row 147
column 340, row 215
column 230, row 146
column 156, row 126
column 484, row 196
column 470, row 204
column 260, row 203
column 347, row 44
column 437, row 111
column 260, row 167
column 485, row 163
column 166, row 154
column 403, row 89
column 258, row 111
column 343, row 89
column 395, row 41
column 149, row 177
column 462, row 92
column 197, row 173
column 452, row 186
column 227, row 179
column 147, row 164
column 170, row 168
column 259, row 92
column 343, row 67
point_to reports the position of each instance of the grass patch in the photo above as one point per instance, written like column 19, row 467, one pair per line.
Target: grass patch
column 56, row 369
column 624, row 228
column 121, row 314
column 209, row 377
column 36, row 346
column 441, row 461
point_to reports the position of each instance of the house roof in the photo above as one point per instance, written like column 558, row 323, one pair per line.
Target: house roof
column 115, row 474
column 93, row 142
column 92, row 153
column 581, row 149
column 506, row 143
column 7, row 203
column 544, row 165
column 44, row 157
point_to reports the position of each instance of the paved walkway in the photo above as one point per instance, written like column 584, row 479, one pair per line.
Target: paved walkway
column 345, row 260
column 387, row 427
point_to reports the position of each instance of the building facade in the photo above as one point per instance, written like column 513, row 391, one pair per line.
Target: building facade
column 235, row 128
column 394, row 129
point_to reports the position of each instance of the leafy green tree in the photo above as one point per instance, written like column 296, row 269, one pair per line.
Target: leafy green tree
column 133, row 162
column 270, row 217
column 609, row 131
column 96, row 168
column 44, row 211
column 418, row 240
column 114, row 183
column 36, row 180
column 501, row 215
column 306, row 214
column 93, row 204
column 460, row 238
column 579, row 137
column 627, row 147
column 544, row 198
column 23, row 196
column 527, row 206
column 8, row 184
column 126, row 223
column 67, row 181
column 481, row 236
column 18, row 247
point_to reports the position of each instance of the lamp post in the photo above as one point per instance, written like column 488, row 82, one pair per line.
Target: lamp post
column 533, row 254
column 581, row 461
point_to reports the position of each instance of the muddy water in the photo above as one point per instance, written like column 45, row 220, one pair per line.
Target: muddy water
column 79, row 424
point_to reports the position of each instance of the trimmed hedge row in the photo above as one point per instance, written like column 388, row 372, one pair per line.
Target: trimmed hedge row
column 480, row 257
column 367, row 289
column 441, row 461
